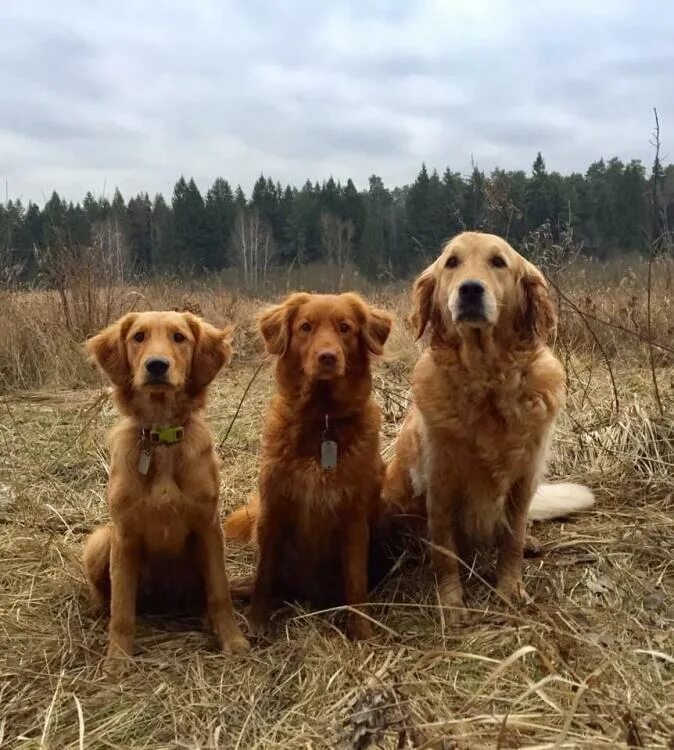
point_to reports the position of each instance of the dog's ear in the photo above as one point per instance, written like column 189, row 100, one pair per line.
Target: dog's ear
column 376, row 330
column 375, row 325
column 422, row 300
column 536, row 317
column 274, row 323
column 212, row 350
column 108, row 350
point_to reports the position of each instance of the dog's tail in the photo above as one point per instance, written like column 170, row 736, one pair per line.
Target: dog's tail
column 558, row 500
column 240, row 524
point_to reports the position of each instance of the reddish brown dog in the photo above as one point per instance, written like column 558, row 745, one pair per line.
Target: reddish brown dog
column 164, row 543
column 321, row 473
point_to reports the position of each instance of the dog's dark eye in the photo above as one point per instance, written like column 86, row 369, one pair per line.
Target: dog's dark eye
column 344, row 327
column 498, row 262
column 452, row 262
column 306, row 327
column 138, row 337
column 178, row 337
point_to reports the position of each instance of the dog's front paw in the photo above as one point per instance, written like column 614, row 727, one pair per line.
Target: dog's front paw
column 117, row 661
column 237, row 643
column 513, row 591
column 258, row 622
column 358, row 628
column 452, row 602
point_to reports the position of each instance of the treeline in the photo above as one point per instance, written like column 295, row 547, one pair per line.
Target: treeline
column 612, row 208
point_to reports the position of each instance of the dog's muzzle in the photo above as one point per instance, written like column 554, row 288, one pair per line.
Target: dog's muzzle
column 470, row 305
column 327, row 365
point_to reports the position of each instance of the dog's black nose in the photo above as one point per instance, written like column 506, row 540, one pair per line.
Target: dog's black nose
column 471, row 291
column 327, row 358
column 157, row 366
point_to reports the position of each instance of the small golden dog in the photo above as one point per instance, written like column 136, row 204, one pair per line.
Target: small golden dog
column 486, row 393
column 321, row 474
column 164, row 543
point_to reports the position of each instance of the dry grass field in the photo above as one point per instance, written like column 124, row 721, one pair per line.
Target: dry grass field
column 589, row 665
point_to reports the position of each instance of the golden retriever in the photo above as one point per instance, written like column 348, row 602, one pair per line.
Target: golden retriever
column 321, row 474
column 486, row 394
column 164, row 542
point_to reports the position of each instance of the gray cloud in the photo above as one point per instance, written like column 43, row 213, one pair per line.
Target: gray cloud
column 132, row 95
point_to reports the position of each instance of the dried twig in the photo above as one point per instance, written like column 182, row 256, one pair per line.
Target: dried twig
column 243, row 398
column 607, row 361
column 651, row 358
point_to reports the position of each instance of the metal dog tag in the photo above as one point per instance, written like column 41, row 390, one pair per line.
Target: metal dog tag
column 328, row 454
column 144, row 460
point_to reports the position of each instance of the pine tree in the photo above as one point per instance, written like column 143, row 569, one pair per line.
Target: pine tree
column 220, row 213
column 305, row 225
column 162, row 234
column 118, row 212
column 284, row 235
column 34, row 226
column 453, row 189
column 78, row 229
column 353, row 209
column 193, row 250
column 597, row 206
column 632, row 207
column 372, row 257
column 330, row 197
column 266, row 198
column 475, row 200
column 418, row 214
column 538, row 195
column 54, row 214
column 438, row 230
column 139, row 220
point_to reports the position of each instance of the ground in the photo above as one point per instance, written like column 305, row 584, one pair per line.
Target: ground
column 589, row 665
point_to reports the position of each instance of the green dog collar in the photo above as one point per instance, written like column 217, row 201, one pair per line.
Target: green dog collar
column 165, row 435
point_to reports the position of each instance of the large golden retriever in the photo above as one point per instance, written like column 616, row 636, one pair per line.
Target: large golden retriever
column 486, row 394
column 321, row 473
column 164, row 544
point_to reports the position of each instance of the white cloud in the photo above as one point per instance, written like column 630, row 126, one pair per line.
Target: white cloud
column 135, row 93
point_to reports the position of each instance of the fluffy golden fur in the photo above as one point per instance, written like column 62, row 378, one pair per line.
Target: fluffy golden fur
column 486, row 394
column 164, row 544
column 312, row 524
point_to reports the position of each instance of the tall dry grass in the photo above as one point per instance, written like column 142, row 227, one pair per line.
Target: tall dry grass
column 604, row 313
column 43, row 329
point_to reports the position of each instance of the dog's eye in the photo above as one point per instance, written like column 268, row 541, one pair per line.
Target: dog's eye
column 344, row 327
column 178, row 337
column 452, row 262
column 306, row 327
column 138, row 337
column 498, row 262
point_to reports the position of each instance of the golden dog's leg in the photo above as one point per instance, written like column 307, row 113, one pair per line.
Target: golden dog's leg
column 96, row 563
column 219, row 602
column 396, row 491
column 511, row 546
column 354, row 551
column 445, row 554
column 124, row 563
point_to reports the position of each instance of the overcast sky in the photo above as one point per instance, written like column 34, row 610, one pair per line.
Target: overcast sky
column 132, row 94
